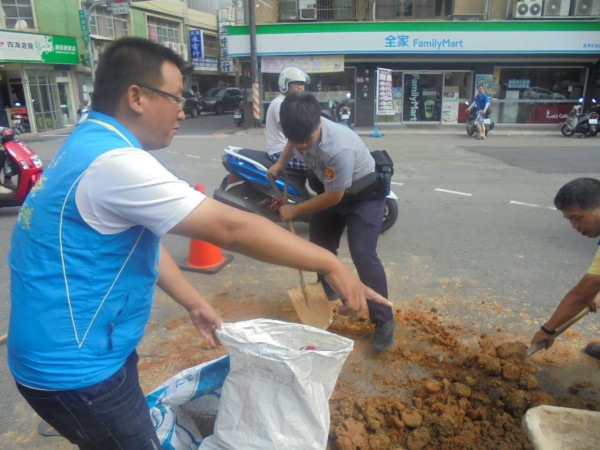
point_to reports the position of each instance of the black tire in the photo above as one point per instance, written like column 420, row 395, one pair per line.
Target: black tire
column 566, row 131
column 219, row 109
column 589, row 132
column 194, row 113
column 390, row 214
column 470, row 130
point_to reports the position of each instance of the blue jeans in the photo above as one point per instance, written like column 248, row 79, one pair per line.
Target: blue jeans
column 112, row 414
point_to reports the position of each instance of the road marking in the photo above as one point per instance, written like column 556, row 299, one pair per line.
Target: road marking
column 397, row 184
column 193, row 156
column 466, row 194
column 223, row 130
column 531, row 205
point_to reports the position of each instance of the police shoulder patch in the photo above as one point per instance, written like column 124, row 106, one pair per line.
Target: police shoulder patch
column 329, row 173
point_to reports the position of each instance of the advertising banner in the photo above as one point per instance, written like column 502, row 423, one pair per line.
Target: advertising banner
column 38, row 48
column 384, row 95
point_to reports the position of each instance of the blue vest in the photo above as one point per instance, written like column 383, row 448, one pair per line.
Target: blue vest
column 79, row 299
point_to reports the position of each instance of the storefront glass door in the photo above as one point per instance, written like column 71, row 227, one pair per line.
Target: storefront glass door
column 422, row 101
column 46, row 111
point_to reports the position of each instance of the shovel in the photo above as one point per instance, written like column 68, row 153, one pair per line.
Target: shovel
column 309, row 300
column 534, row 348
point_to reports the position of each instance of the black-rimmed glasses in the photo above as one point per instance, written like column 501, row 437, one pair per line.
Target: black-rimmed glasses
column 180, row 100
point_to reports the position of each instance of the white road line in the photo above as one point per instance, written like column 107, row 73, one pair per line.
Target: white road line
column 397, row 184
column 466, row 194
column 193, row 156
column 532, row 205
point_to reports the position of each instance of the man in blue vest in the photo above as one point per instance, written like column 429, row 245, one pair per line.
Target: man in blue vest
column 86, row 255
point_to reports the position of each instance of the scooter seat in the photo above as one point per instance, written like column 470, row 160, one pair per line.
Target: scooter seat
column 257, row 155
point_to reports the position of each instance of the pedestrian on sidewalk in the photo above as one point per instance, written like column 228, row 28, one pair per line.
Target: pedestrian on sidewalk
column 579, row 202
column 86, row 254
column 348, row 197
column 482, row 103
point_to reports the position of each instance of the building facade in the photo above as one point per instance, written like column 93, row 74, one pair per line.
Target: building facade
column 49, row 49
column 417, row 62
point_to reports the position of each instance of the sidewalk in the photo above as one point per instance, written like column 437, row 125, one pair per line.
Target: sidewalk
column 499, row 130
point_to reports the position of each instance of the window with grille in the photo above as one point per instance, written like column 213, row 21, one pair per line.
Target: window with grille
column 211, row 46
column 18, row 14
column 103, row 23
column 417, row 9
column 160, row 30
column 327, row 10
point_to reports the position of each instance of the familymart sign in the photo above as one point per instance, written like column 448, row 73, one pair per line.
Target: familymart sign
column 419, row 38
column 38, row 48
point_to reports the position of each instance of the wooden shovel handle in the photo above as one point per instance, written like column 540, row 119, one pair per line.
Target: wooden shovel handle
column 535, row 347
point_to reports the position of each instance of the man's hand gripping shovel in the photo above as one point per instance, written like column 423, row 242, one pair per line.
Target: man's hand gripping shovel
column 540, row 345
column 309, row 300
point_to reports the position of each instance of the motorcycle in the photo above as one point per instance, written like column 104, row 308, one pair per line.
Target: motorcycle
column 238, row 115
column 582, row 123
column 20, row 162
column 20, row 118
column 339, row 111
column 472, row 115
column 247, row 187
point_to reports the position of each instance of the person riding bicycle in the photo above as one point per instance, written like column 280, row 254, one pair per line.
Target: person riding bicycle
column 482, row 102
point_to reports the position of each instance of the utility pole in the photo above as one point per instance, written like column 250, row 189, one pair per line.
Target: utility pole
column 88, row 7
column 254, row 60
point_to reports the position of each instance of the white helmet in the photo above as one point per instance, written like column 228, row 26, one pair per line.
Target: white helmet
column 291, row 75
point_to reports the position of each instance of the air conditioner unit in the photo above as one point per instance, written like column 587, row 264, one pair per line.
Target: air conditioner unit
column 307, row 9
column 586, row 8
column 308, row 13
column 182, row 50
column 557, row 8
column 528, row 9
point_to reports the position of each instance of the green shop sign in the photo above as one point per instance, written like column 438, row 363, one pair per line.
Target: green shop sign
column 38, row 48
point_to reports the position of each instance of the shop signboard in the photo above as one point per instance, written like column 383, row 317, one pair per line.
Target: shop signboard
column 309, row 64
column 38, row 48
column 419, row 38
column 384, row 105
column 546, row 113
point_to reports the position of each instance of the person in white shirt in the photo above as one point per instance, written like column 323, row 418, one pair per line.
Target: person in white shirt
column 291, row 79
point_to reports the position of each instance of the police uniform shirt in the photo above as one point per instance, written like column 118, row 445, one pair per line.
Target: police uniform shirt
column 339, row 157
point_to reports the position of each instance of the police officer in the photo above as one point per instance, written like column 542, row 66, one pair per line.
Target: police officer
column 349, row 197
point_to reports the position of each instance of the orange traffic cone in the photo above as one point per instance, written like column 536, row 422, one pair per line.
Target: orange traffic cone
column 205, row 257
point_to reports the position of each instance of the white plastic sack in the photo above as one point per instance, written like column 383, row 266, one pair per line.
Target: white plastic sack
column 180, row 404
column 276, row 395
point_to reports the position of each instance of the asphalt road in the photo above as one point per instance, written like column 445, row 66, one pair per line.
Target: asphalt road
column 477, row 235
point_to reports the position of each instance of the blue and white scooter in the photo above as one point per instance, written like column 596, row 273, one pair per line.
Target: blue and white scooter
column 247, row 187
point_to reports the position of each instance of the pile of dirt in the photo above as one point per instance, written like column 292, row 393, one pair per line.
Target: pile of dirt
column 435, row 389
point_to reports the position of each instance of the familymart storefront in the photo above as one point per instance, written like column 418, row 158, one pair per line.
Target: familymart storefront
column 37, row 73
column 533, row 70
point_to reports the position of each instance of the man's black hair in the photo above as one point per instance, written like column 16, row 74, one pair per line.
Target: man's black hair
column 128, row 61
column 582, row 192
column 299, row 116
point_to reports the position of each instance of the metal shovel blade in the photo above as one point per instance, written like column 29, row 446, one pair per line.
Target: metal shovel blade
column 314, row 309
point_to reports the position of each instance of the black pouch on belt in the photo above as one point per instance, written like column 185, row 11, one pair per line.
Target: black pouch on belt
column 384, row 166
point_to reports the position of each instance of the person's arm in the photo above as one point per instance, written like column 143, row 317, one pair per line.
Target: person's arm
column 317, row 203
column 172, row 280
column 286, row 155
column 261, row 239
column 580, row 296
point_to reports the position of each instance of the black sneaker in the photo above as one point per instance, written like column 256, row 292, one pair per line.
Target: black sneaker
column 332, row 295
column 383, row 338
